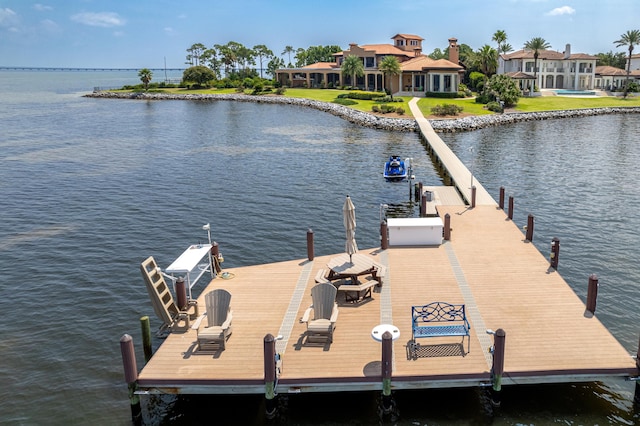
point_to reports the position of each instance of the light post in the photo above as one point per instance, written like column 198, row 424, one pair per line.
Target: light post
column 383, row 211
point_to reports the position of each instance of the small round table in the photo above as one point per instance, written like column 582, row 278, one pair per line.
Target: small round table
column 379, row 330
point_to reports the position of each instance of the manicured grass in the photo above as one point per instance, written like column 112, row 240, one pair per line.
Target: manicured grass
column 469, row 105
column 552, row 103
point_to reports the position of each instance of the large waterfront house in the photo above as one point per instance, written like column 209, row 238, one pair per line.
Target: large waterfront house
column 556, row 70
column 419, row 74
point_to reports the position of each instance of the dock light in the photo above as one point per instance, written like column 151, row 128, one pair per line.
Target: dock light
column 206, row 227
column 490, row 331
column 383, row 210
column 279, row 337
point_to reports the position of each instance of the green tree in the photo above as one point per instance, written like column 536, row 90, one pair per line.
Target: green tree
column 199, row 75
column 611, row 59
column 501, row 87
column 352, row 66
column 194, row 53
column 500, row 37
column 487, row 60
column 145, row 75
column 274, row 64
column 263, row 53
column 535, row 45
column 437, row 54
column 389, row 66
column 288, row 50
column 630, row 39
column 210, row 58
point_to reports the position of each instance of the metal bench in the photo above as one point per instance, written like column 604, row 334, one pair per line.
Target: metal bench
column 439, row 319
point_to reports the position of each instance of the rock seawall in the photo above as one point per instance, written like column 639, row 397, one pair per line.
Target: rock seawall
column 370, row 120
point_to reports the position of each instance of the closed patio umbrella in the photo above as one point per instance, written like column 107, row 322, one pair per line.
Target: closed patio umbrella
column 349, row 218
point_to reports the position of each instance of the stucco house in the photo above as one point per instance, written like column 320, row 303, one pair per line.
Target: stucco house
column 556, row 70
column 419, row 73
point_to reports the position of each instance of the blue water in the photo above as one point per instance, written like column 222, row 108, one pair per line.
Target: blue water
column 91, row 187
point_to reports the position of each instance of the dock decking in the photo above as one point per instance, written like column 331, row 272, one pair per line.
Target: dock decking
column 503, row 280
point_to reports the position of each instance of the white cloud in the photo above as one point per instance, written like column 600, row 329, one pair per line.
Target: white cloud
column 564, row 10
column 169, row 31
column 41, row 7
column 8, row 18
column 101, row 19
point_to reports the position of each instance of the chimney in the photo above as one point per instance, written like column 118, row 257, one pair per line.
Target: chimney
column 454, row 50
column 417, row 51
column 567, row 51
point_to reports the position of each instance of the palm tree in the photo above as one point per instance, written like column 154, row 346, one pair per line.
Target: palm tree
column 145, row 75
column 536, row 44
column 288, row 50
column 389, row 66
column 487, row 60
column 352, row 65
column 630, row 38
column 499, row 37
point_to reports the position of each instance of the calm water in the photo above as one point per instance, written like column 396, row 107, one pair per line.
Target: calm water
column 91, row 187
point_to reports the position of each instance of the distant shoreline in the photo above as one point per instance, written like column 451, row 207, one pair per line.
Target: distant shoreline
column 365, row 119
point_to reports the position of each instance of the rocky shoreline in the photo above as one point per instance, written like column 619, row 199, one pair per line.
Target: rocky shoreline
column 370, row 120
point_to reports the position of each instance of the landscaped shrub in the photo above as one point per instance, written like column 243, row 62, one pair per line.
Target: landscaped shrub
column 384, row 108
column 444, row 95
column 385, row 99
column 446, row 109
column 400, row 111
column 343, row 101
column 280, row 90
column 375, row 108
column 363, row 96
column 495, row 107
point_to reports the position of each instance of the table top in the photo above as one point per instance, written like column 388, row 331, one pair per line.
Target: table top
column 358, row 264
column 379, row 330
column 189, row 259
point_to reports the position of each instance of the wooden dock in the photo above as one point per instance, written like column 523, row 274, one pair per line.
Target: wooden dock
column 487, row 264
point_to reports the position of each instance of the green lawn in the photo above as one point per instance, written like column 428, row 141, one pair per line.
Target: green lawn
column 540, row 103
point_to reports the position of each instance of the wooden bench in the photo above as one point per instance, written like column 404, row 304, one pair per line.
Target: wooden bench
column 321, row 276
column 357, row 292
column 439, row 319
column 379, row 271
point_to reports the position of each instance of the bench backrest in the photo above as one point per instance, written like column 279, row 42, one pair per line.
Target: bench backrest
column 437, row 312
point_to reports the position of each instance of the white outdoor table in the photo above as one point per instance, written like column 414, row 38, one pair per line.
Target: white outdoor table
column 190, row 263
column 342, row 266
column 379, row 330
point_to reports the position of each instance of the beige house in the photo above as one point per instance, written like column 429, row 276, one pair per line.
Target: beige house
column 556, row 70
column 419, row 73
column 612, row 78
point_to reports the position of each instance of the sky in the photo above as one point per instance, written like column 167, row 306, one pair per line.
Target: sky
column 151, row 33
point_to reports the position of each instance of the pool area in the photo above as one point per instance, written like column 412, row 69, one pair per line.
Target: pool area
column 563, row 92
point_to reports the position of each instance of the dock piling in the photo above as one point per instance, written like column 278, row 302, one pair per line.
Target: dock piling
column 387, row 366
column 423, row 205
column 310, row 249
column 473, row 196
column 447, row 227
column 592, row 293
column 510, row 207
column 555, row 252
column 384, row 235
column 215, row 255
column 501, row 199
column 529, row 236
column 146, row 338
column 181, row 293
column 271, row 407
column 131, row 376
column 636, row 396
column 498, row 366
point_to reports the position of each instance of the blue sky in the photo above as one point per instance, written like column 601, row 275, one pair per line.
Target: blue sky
column 142, row 33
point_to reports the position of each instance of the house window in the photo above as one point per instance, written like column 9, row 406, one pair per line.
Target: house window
column 399, row 42
column 436, row 83
column 418, row 82
column 528, row 67
column 369, row 62
column 414, row 42
column 447, row 83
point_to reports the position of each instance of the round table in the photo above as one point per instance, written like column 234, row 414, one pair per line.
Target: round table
column 379, row 330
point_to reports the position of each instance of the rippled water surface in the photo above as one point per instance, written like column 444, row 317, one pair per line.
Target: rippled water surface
column 90, row 187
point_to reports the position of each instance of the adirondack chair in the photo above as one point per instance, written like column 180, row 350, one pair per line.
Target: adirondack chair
column 162, row 300
column 325, row 314
column 219, row 316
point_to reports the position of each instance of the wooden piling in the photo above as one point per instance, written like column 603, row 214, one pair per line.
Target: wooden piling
column 387, row 367
column 510, row 207
column 555, row 252
column 270, row 376
column 501, row 199
column 310, row 248
column 423, row 205
column 447, row 227
column 146, row 338
column 529, row 236
column 384, row 235
column 636, row 396
column 181, row 293
column 215, row 255
column 592, row 293
column 131, row 376
column 473, row 196
column 498, row 366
